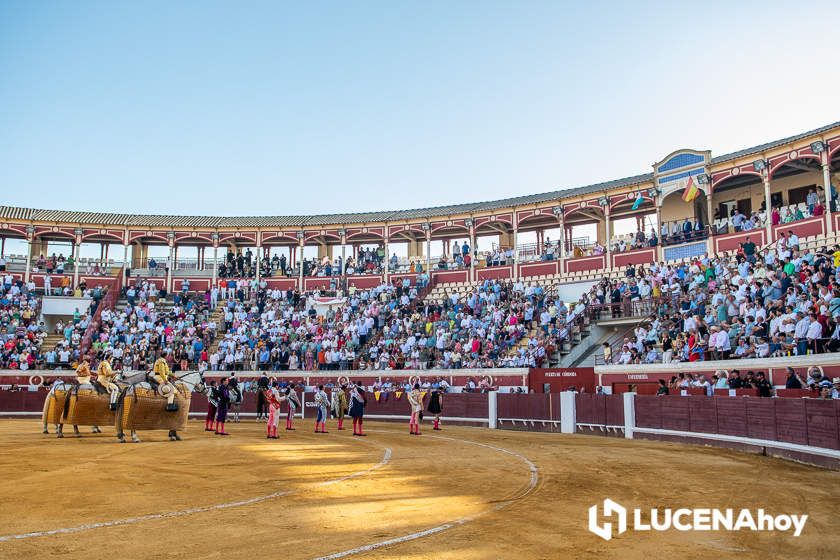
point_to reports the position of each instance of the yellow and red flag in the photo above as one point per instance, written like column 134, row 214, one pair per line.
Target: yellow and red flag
column 691, row 191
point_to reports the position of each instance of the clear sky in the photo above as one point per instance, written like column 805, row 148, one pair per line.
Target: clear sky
column 237, row 108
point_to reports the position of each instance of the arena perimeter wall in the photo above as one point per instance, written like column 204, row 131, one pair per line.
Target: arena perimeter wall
column 802, row 429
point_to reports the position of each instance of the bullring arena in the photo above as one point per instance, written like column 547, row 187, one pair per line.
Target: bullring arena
column 559, row 388
column 463, row 492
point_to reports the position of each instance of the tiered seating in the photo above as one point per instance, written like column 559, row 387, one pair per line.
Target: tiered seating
column 578, row 329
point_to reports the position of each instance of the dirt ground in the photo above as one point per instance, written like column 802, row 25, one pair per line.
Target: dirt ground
column 472, row 494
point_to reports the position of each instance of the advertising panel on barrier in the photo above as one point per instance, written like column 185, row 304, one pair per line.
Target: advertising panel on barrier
column 555, row 380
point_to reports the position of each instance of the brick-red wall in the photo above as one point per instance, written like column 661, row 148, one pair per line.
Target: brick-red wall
column 811, row 422
column 494, row 272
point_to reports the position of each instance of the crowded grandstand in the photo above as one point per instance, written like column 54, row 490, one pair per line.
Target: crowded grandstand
column 703, row 273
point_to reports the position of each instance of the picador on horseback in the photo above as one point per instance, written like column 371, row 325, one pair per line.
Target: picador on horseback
column 105, row 377
column 160, row 376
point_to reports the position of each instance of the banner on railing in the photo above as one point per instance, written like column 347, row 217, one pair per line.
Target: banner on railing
column 555, row 380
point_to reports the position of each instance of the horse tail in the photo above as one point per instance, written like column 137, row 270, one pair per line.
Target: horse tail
column 67, row 395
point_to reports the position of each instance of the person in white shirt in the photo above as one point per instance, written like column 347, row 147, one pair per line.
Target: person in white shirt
column 800, row 333
column 814, row 333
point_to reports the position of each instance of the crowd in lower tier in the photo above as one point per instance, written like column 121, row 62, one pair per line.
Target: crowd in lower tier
column 24, row 334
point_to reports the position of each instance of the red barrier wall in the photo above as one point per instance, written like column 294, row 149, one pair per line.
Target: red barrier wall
column 22, row 401
column 281, row 283
column 585, row 263
column 732, row 241
column 450, row 275
column 528, row 406
column 538, row 269
column 494, row 272
column 802, row 228
column 316, row 283
column 412, row 278
column 364, row 282
column 560, row 379
column 810, row 422
column 637, row 257
column 459, row 405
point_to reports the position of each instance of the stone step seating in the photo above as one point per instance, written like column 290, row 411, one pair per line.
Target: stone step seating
column 577, row 334
column 51, row 340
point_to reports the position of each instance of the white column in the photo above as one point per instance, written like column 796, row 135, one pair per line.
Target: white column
column 343, row 255
column 125, row 261
column 710, row 217
column 28, row 260
column 76, row 264
column 608, row 229
column 568, row 413
column 492, row 410
column 300, row 272
column 472, row 252
column 767, row 208
column 259, row 261
column 561, row 253
column 660, row 250
column 429, row 255
column 171, row 265
column 829, row 225
column 561, row 244
column 629, row 414
column 215, row 265
column 387, row 264
column 516, row 251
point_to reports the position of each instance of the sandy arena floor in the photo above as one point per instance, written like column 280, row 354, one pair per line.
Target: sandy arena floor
column 463, row 493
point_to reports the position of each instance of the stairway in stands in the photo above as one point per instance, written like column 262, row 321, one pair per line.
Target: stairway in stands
column 50, row 341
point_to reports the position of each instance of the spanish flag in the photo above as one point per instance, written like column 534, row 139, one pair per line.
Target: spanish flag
column 376, row 395
column 691, row 190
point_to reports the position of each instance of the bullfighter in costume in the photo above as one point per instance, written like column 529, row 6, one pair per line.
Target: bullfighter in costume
column 161, row 374
column 322, row 405
column 212, row 404
column 436, row 406
column 223, row 397
column 358, row 400
column 263, row 385
column 83, row 372
column 105, row 377
column 339, row 404
column 273, row 398
column 415, row 400
column 292, row 403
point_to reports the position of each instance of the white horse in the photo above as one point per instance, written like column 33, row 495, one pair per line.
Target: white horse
column 236, row 399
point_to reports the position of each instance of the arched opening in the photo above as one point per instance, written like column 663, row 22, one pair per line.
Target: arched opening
column 585, row 228
column 683, row 221
column 796, row 189
column 741, row 194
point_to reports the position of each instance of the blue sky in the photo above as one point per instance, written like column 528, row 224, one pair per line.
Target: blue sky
column 287, row 108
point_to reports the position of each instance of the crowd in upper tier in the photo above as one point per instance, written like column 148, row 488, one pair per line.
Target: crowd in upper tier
column 368, row 260
column 779, row 301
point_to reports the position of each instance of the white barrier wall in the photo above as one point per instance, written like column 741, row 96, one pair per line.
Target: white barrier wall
column 64, row 306
column 572, row 292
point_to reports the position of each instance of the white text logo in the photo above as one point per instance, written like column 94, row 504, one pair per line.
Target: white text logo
column 688, row 519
